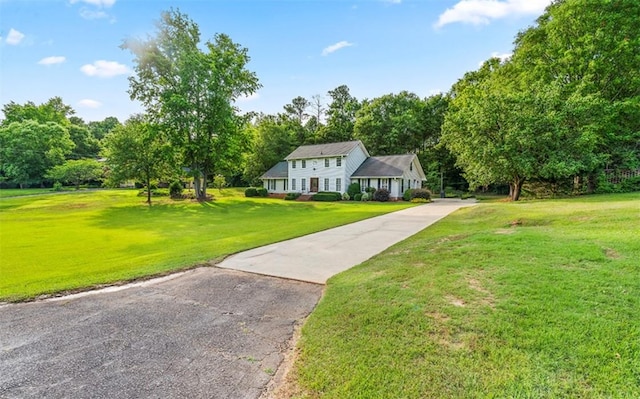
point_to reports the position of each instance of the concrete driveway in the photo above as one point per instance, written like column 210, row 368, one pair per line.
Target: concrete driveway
column 316, row 257
column 205, row 333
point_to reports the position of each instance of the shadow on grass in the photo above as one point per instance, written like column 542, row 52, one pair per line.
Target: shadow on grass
column 168, row 216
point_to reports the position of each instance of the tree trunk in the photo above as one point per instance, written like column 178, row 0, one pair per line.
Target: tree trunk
column 515, row 188
column 148, row 191
column 203, row 193
column 591, row 183
column 196, row 185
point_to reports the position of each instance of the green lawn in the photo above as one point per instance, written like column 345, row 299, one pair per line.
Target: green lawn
column 57, row 242
column 17, row 192
column 536, row 299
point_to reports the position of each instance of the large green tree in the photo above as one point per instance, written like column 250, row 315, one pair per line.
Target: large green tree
column 272, row 141
column 502, row 134
column 391, row 124
column 565, row 105
column 86, row 146
column 100, row 129
column 590, row 48
column 137, row 150
column 76, row 171
column 54, row 110
column 341, row 116
column 296, row 113
column 189, row 89
column 29, row 148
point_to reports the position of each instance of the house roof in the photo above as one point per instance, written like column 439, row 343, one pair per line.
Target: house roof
column 385, row 166
column 325, row 150
column 278, row 171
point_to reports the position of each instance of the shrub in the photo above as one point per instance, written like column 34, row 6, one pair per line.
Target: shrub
column 262, row 192
column 357, row 197
column 57, row 186
column 175, row 189
column 219, row 182
column 419, row 201
column 370, row 191
column 353, row 189
column 324, row 197
column 291, row 196
column 327, row 196
column 155, row 192
column 381, row 195
column 421, row 193
column 346, row 197
column 251, row 192
column 407, row 194
column 630, row 184
column 365, row 197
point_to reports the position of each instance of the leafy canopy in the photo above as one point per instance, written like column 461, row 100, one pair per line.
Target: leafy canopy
column 190, row 92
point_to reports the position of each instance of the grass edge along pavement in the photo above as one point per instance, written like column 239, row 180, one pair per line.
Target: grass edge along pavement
column 60, row 243
column 530, row 299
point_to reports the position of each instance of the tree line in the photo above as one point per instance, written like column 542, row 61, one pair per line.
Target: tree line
column 45, row 142
column 563, row 111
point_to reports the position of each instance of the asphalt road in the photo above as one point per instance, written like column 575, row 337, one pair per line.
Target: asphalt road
column 207, row 333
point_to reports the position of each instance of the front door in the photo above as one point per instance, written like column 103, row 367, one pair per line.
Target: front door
column 314, row 185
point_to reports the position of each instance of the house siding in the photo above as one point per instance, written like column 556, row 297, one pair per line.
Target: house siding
column 280, row 185
column 324, row 168
column 315, row 168
column 353, row 161
column 413, row 178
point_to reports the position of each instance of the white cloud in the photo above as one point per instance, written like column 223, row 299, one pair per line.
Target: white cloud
column 393, row 1
column 88, row 103
column 14, row 37
column 90, row 14
column 503, row 57
column 97, row 3
column 52, row 60
column 335, row 47
column 95, row 10
column 105, row 69
column 481, row 12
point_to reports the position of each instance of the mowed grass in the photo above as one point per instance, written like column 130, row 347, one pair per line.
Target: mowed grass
column 60, row 242
column 535, row 299
column 17, row 192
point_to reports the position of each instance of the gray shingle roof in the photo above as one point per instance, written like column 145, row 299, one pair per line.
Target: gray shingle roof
column 324, row 150
column 279, row 171
column 384, row 166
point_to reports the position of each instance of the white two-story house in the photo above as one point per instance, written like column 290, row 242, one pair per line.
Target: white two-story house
column 332, row 167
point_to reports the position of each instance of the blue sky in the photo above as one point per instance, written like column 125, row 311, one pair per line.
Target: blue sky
column 70, row 48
